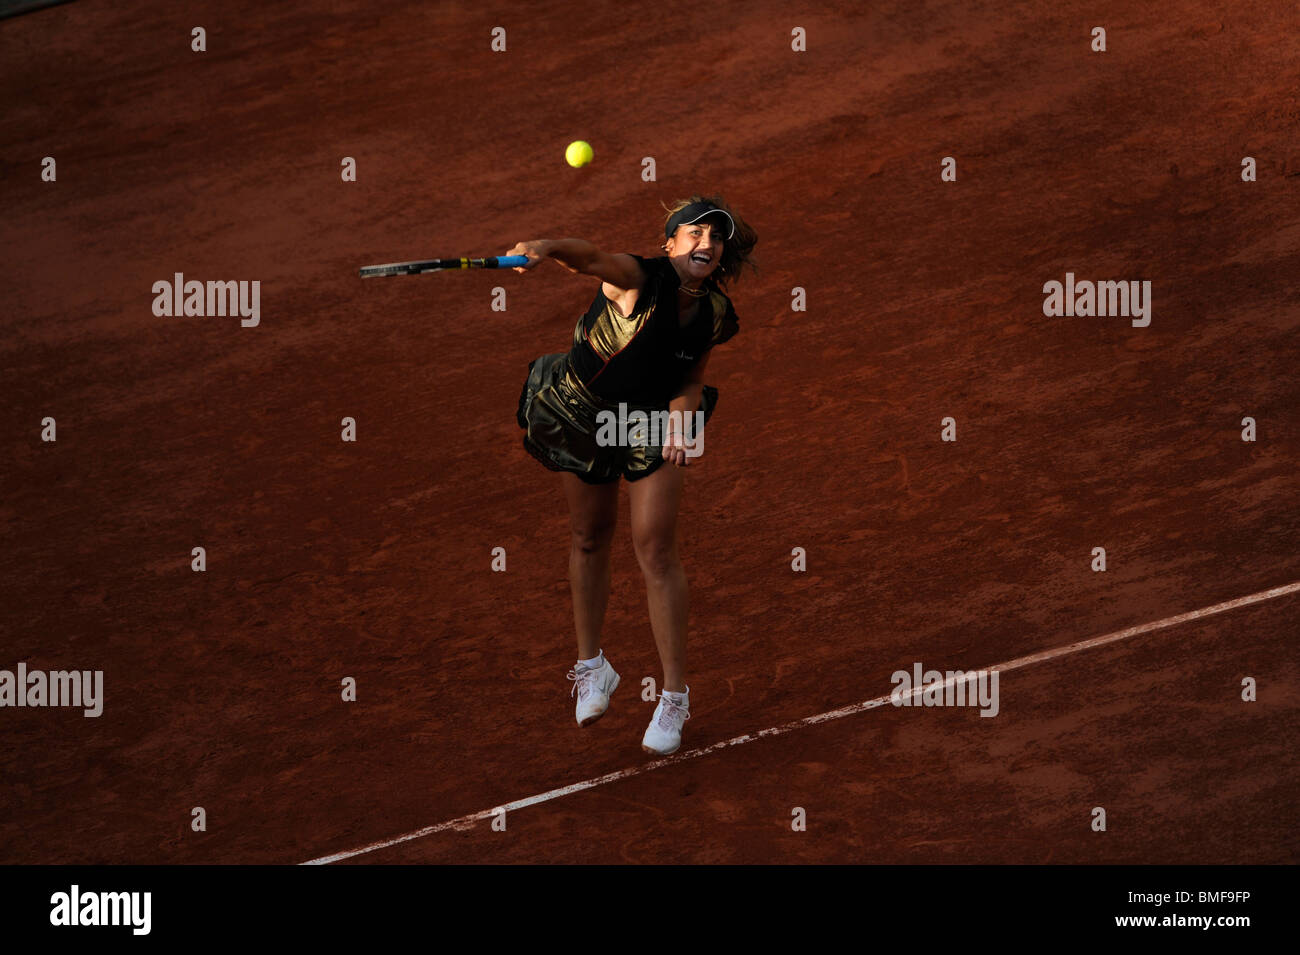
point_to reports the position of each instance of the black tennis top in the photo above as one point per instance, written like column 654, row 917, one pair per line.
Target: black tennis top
column 644, row 358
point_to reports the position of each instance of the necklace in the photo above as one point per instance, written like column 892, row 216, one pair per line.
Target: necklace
column 695, row 293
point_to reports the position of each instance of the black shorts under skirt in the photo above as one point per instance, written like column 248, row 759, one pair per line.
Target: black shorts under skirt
column 558, row 415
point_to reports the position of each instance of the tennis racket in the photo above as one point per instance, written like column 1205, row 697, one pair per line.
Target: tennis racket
column 437, row 265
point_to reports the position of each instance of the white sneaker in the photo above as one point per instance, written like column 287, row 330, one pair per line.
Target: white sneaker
column 664, row 734
column 593, row 687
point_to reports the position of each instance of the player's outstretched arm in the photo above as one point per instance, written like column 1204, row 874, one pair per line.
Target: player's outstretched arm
column 578, row 255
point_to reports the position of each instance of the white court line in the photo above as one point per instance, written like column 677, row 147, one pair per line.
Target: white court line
column 467, row 822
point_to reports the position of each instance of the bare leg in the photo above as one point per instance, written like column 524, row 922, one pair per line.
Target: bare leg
column 654, row 535
column 593, row 512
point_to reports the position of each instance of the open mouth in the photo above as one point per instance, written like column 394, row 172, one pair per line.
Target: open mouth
column 701, row 257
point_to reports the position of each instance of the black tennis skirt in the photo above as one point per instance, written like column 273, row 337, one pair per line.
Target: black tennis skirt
column 559, row 417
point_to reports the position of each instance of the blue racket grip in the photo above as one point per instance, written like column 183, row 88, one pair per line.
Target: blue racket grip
column 510, row 261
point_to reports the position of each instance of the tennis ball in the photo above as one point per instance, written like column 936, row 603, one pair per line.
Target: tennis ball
column 578, row 154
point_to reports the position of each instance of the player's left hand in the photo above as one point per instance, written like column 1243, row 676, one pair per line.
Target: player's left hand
column 674, row 450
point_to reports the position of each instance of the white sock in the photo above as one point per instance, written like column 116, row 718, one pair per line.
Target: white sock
column 593, row 662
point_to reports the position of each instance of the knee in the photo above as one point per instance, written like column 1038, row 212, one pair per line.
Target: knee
column 657, row 555
column 592, row 538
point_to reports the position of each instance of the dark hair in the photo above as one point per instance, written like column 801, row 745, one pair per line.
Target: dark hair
column 736, row 251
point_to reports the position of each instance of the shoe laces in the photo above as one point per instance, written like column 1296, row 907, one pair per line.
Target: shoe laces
column 584, row 681
column 670, row 710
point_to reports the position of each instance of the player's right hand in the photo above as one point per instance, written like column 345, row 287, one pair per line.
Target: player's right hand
column 535, row 250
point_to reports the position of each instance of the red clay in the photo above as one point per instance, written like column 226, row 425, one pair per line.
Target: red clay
column 372, row 560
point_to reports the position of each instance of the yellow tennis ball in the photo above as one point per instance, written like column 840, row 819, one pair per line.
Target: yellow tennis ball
column 578, row 154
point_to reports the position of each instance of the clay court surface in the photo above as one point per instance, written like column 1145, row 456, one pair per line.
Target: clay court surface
column 373, row 560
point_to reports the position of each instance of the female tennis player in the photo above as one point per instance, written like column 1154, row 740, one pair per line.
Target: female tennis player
column 640, row 350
